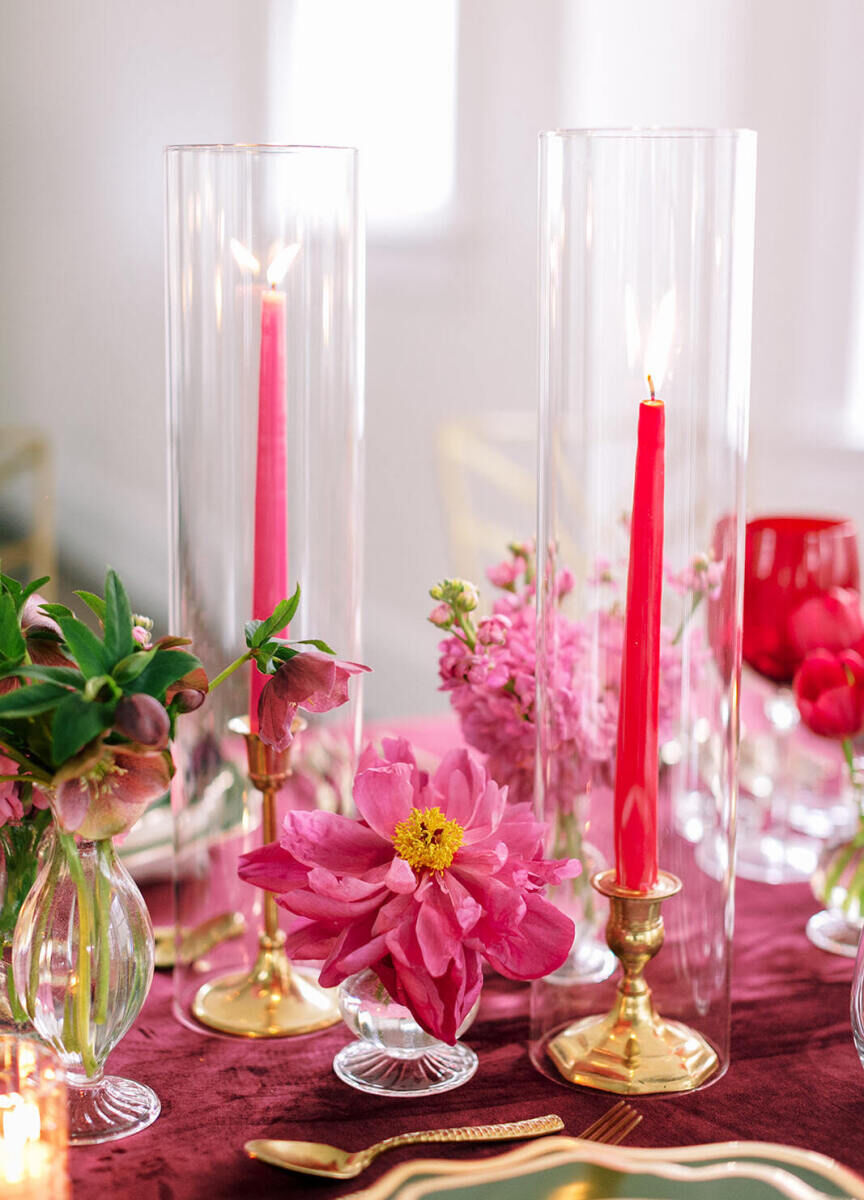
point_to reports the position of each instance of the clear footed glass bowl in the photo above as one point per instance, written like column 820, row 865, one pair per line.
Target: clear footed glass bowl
column 393, row 1056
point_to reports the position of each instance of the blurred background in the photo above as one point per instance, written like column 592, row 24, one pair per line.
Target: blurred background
column 445, row 99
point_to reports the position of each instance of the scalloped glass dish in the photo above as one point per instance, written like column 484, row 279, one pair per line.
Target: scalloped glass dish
column 564, row 1168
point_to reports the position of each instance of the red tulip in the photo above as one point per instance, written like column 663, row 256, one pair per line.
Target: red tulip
column 831, row 620
column 829, row 689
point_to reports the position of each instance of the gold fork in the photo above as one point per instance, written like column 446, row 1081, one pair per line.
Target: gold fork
column 316, row 1158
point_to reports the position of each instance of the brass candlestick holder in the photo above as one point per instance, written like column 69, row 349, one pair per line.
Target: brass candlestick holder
column 632, row 1049
column 274, row 999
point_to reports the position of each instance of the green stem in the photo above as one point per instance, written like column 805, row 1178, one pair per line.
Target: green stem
column 105, row 860
column 686, row 619
column 46, row 901
column 82, row 999
column 17, row 1011
column 470, row 637
column 230, row 669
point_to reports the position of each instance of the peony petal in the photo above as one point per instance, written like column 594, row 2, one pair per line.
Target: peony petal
column 400, row 877
column 537, row 946
column 272, row 867
column 322, row 839
column 385, row 796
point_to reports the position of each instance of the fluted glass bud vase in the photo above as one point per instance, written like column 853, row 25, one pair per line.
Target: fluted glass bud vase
column 82, row 959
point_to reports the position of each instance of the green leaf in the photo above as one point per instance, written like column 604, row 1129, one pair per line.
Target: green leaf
column 165, row 668
column 31, row 588
column 118, row 619
column 85, row 647
column 77, row 722
column 56, row 610
column 284, row 653
column 278, row 619
column 12, row 644
column 249, row 630
column 32, row 700
column 12, row 586
column 64, row 675
column 132, row 665
column 95, row 603
column 317, row 643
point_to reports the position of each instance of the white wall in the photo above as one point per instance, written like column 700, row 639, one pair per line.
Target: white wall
column 89, row 94
column 91, row 91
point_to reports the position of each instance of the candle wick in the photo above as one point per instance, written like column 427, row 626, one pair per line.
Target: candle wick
column 651, row 386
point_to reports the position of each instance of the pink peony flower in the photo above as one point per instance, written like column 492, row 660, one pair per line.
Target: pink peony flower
column 314, row 681
column 435, row 875
column 110, row 794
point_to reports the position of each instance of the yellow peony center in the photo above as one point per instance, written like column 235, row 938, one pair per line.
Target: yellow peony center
column 428, row 839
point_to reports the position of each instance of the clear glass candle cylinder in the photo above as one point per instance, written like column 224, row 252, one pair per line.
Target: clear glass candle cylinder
column 646, row 264
column 265, row 295
column 33, row 1130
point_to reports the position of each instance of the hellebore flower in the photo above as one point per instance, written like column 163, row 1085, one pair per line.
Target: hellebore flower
column 831, row 621
column 312, row 680
column 106, row 796
column 435, row 875
column 11, row 808
column 829, row 690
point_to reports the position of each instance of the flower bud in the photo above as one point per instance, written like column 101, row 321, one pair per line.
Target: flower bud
column 442, row 616
column 143, row 720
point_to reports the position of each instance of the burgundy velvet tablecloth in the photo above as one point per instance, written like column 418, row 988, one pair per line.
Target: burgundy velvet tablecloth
column 794, row 1078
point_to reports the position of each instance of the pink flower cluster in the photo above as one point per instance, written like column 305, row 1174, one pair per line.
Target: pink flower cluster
column 492, row 682
column 437, row 874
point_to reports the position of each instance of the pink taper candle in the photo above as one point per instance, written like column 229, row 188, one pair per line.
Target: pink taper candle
column 270, row 584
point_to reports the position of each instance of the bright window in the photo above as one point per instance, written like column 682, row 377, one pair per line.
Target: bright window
column 381, row 75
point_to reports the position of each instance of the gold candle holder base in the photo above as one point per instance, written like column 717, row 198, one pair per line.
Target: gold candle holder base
column 273, row 999
column 632, row 1049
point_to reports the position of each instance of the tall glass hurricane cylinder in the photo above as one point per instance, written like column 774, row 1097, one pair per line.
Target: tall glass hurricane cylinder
column 265, row 295
column 646, row 262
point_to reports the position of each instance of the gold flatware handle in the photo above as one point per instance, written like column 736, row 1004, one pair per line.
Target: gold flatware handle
column 533, row 1127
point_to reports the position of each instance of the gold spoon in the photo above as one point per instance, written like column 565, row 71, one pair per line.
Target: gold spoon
column 316, row 1158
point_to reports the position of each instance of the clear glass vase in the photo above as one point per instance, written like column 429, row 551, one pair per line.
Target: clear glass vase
column 838, row 882
column 82, row 958
column 645, row 285
column 20, row 858
column 393, row 1055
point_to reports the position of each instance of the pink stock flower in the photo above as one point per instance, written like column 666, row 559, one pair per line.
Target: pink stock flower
column 435, row 875
column 104, row 798
column 441, row 615
column 505, row 574
column 702, row 576
column 312, row 680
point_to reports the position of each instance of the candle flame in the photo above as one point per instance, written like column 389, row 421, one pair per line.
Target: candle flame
column 658, row 344
column 244, row 258
column 280, row 262
column 20, row 1123
column 651, row 386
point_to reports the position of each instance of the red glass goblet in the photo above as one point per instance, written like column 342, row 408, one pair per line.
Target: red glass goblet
column 789, row 561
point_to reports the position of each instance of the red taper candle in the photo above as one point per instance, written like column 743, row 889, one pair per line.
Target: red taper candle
column 270, row 564
column 636, row 771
